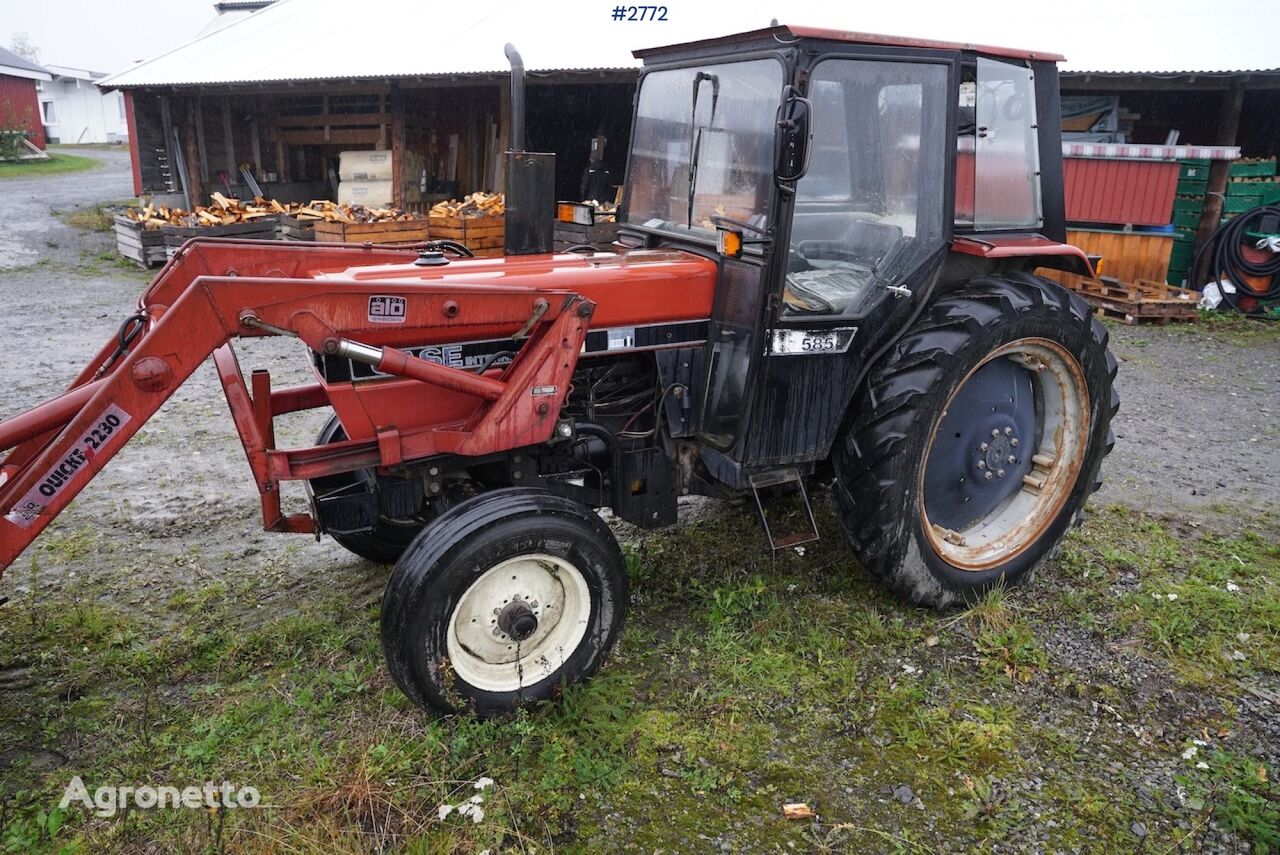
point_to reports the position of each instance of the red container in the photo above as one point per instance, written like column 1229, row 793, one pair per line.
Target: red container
column 1111, row 190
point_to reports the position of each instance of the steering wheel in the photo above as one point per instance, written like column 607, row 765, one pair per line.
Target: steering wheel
column 827, row 250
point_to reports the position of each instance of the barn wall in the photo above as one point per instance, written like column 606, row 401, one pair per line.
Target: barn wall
column 20, row 107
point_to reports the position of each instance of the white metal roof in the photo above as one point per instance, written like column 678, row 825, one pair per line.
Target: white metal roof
column 12, row 65
column 340, row 39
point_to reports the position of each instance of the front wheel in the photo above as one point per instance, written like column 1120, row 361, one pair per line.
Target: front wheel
column 978, row 440
column 501, row 600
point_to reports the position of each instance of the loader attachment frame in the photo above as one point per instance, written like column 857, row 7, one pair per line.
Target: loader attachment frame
column 214, row 291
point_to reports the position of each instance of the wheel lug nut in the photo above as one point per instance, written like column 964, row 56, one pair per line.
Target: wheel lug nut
column 987, row 476
column 982, row 464
column 983, row 447
column 999, row 473
column 1014, row 442
column 1008, row 431
column 995, row 431
column 1011, row 459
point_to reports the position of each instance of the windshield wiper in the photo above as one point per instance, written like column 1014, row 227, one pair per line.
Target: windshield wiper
column 695, row 135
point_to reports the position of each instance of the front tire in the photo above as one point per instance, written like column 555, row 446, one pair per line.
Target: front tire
column 977, row 440
column 502, row 600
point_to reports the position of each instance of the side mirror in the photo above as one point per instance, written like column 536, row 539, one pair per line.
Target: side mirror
column 792, row 149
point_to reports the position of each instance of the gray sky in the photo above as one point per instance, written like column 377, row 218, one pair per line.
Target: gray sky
column 109, row 35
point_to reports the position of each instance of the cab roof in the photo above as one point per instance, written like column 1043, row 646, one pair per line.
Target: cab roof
column 785, row 33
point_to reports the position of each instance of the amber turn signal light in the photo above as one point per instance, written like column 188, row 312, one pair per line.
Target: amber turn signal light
column 729, row 243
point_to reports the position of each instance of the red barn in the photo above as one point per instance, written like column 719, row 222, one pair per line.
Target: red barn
column 19, row 101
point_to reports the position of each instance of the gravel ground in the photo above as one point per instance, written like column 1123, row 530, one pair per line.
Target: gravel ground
column 1197, row 429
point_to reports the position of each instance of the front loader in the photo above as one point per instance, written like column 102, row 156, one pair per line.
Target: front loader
column 825, row 273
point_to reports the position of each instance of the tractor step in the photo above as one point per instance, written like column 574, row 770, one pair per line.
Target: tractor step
column 781, row 478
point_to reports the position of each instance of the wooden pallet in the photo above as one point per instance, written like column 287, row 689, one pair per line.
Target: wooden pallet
column 1142, row 301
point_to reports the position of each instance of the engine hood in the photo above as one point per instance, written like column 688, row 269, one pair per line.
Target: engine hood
column 634, row 288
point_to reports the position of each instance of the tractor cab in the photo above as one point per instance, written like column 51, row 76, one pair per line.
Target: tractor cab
column 838, row 179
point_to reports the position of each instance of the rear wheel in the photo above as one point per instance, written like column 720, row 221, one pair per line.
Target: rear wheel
column 978, row 440
column 501, row 600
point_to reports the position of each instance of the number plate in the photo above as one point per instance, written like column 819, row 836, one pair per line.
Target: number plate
column 812, row 342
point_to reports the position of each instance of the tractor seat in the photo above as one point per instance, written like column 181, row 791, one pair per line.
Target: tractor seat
column 839, row 290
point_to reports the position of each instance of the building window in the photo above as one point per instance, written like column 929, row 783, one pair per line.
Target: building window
column 50, row 117
column 120, row 104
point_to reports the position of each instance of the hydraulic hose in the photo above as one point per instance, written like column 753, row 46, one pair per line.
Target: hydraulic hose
column 1228, row 262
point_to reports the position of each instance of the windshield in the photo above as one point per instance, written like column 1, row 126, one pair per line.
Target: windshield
column 702, row 147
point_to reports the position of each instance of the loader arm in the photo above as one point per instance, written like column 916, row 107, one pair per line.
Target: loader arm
column 215, row 291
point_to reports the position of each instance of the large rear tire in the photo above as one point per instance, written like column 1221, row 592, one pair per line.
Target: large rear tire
column 977, row 440
column 501, row 600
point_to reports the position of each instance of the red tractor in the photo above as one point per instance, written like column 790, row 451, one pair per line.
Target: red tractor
column 824, row 273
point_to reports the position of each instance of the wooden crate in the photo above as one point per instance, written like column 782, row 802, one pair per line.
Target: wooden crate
column 475, row 233
column 145, row 247
column 261, row 228
column 292, row 228
column 394, row 231
column 600, row 235
column 1142, row 301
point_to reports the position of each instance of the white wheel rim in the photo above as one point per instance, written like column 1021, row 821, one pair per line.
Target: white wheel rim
column 484, row 656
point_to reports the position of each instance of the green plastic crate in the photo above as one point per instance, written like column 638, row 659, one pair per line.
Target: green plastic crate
column 1193, row 168
column 1181, row 251
column 1240, row 204
column 1253, row 168
column 1192, row 186
column 1248, row 188
column 1181, row 235
column 1187, row 219
column 1188, row 205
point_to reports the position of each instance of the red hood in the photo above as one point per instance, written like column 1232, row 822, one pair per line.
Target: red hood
column 629, row 288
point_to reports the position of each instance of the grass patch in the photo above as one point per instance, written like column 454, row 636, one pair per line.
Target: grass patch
column 1230, row 327
column 95, row 218
column 1209, row 604
column 57, row 164
column 741, row 682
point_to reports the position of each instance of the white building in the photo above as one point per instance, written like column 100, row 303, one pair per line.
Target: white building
column 74, row 110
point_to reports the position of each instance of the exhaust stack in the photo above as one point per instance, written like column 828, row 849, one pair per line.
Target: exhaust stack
column 530, row 179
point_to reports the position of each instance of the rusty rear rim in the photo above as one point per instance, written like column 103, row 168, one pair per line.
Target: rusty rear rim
column 1005, row 454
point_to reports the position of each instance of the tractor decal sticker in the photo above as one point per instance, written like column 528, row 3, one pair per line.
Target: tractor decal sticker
column 105, row 431
column 652, row 336
column 621, row 338
column 386, row 310
column 469, row 354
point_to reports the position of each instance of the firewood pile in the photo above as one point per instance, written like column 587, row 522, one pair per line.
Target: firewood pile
column 226, row 212
column 606, row 212
column 474, row 206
